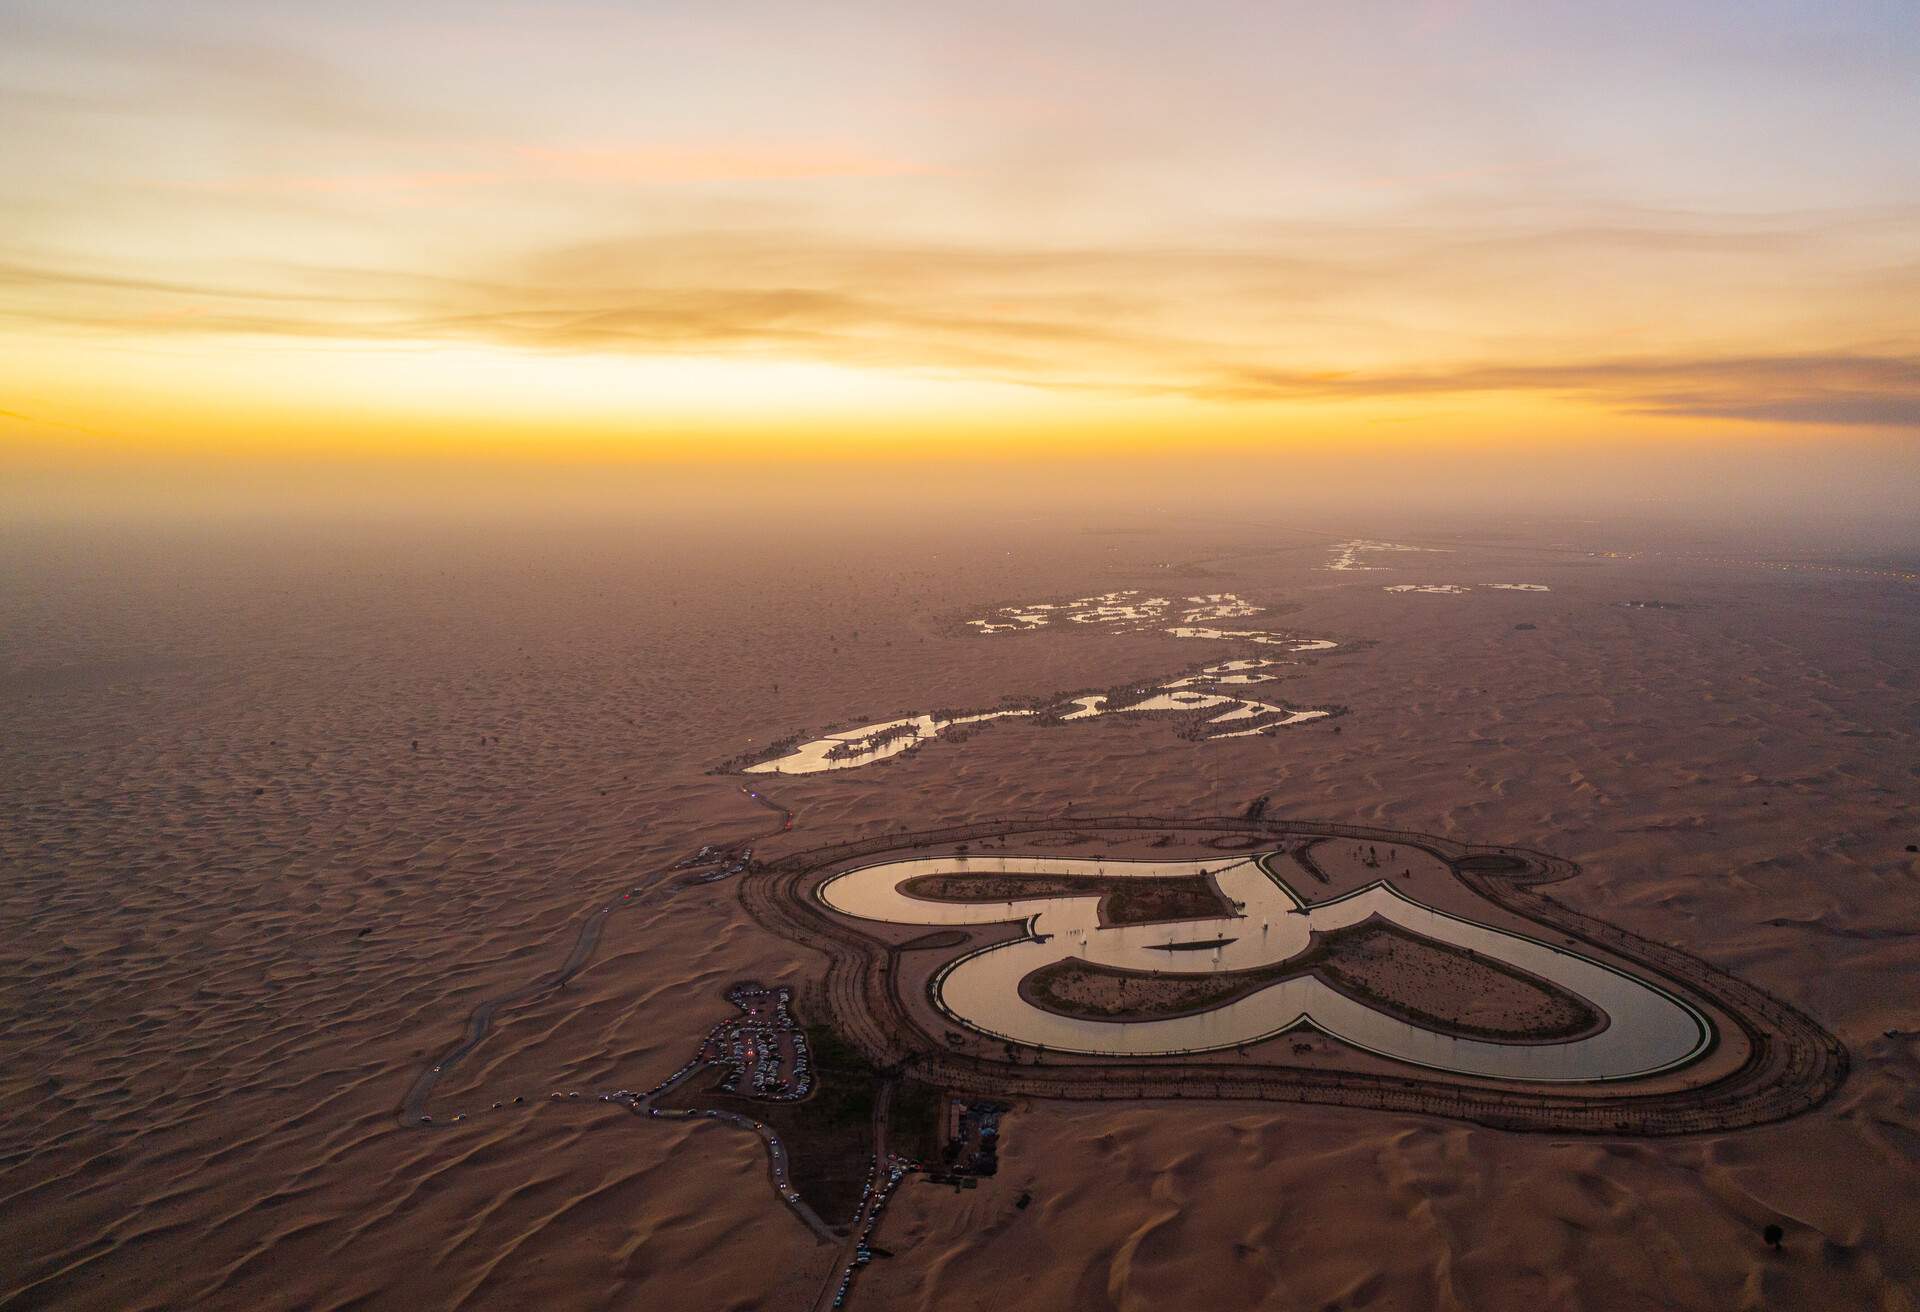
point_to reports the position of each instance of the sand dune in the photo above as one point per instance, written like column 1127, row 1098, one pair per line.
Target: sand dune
column 241, row 908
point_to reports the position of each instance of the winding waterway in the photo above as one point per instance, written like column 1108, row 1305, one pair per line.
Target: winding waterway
column 1649, row 1029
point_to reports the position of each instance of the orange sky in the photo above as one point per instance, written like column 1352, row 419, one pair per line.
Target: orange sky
column 599, row 232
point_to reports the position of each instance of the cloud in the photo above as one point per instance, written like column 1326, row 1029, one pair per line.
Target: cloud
column 163, row 67
column 350, row 184
column 713, row 162
column 1893, row 410
column 922, row 308
column 37, row 421
column 650, row 165
column 1834, row 389
column 1233, row 325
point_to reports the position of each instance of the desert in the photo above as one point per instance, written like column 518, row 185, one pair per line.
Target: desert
column 994, row 657
column 269, row 901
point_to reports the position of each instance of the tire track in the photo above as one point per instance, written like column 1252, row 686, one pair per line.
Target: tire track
column 413, row 1111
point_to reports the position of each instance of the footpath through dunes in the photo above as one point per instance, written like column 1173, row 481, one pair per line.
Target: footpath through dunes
column 1790, row 1065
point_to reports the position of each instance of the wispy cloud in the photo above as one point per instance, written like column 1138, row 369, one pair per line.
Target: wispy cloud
column 1266, row 324
column 605, row 165
column 1836, row 389
column 714, row 162
column 1863, row 409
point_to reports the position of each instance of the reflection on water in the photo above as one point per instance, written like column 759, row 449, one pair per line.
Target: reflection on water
column 877, row 742
column 1259, row 636
column 1132, row 612
column 867, row 744
column 1350, row 555
column 1459, row 589
column 1649, row 1029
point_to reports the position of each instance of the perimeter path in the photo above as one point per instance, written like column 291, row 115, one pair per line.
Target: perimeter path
column 1792, row 1063
column 413, row 1106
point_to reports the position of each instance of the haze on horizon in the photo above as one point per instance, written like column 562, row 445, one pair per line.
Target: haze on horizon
column 1631, row 250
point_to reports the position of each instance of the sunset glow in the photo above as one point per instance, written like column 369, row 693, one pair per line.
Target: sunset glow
column 1045, row 655
column 632, row 233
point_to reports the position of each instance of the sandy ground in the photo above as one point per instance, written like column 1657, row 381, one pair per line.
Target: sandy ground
column 240, row 908
column 1399, row 972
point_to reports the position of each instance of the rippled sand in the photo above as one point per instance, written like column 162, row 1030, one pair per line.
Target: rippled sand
column 240, row 908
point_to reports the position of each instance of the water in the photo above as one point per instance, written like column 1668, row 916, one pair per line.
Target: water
column 1649, row 1029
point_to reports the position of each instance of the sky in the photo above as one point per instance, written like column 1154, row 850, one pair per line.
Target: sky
column 288, row 235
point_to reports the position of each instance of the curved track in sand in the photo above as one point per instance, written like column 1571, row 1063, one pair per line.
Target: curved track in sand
column 1792, row 1063
column 413, row 1106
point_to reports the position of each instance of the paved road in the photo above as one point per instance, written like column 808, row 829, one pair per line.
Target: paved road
column 866, row 1219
